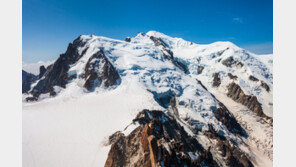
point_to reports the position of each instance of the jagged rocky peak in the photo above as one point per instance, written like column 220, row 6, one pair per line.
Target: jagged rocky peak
column 158, row 141
column 99, row 71
column 42, row 71
column 57, row 74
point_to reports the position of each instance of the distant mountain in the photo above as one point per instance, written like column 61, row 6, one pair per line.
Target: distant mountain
column 27, row 80
column 171, row 101
column 33, row 68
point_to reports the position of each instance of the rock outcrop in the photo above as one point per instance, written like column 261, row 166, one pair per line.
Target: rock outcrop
column 216, row 80
column 42, row 71
column 252, row 78
column 265, row 86
column 232, row 156
column 99, row 71
column 228, row 120
column 168, row 54
column 237, row 94
column 158, row 141
column 230, row 62
column 232, row 76
column 57, row 75
column 27, row 80
column 200, row 69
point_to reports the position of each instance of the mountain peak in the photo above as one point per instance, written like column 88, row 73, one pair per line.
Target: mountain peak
column 214, row 94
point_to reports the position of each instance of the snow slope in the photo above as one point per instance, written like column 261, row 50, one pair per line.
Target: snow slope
column 71, row 128
column 71, row 131
column 210, row 57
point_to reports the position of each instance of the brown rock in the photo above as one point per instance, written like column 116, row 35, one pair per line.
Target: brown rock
column 159, row 140
column 265, row 86
column 99, row 71
column 232, row 76
column 238, row 95
column 216, row 80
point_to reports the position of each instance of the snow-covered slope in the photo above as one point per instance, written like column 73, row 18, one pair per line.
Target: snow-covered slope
column 90, row 102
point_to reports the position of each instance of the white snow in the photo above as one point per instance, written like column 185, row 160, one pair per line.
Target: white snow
column 70, row 129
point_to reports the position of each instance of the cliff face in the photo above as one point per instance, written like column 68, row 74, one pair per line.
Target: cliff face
column 238, row 95
column 27, row 80
column 99, row 71
column 159, row 140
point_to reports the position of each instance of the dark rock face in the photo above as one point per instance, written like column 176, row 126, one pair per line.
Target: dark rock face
column 216, row 80
column 200, row 69
column 42, row 71
column 31, row 99
column 221, row 53
column 27, row 80
column 168, row 54
column 230, row 62
column 238, row 95
column 252, row 78
column 227, row 119
column 57, row 74
column 265, row 86
column 232, row 155
column 99, row 71
column 158, row 41
column 232, row 76
column 127, row 39
column 158, row 141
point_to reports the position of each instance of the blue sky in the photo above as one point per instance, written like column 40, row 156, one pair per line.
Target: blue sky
column 49, row 25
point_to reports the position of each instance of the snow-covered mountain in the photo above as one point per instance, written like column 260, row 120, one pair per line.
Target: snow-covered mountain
column 151, row 100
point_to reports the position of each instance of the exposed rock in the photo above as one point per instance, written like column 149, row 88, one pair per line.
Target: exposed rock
column 158, row 41
column 27, row 80
column 221, row 53
column 237, row 94
column 181, row 66
column 31, row 99
column 99, row 71
column 200, row 69
column 127, row 39
column 232, row 155
column 230, row 62
column 265, row 86
column 252, row 78
column 227, row 119
column 42, row 71
column 216, row 80
column 158, row 141
column 57, row 74
column 168, row 54
column 232, row 76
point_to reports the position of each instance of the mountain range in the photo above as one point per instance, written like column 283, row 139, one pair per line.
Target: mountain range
column 150, row 100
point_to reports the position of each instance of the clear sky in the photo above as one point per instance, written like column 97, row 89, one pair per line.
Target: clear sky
column 49, row 25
